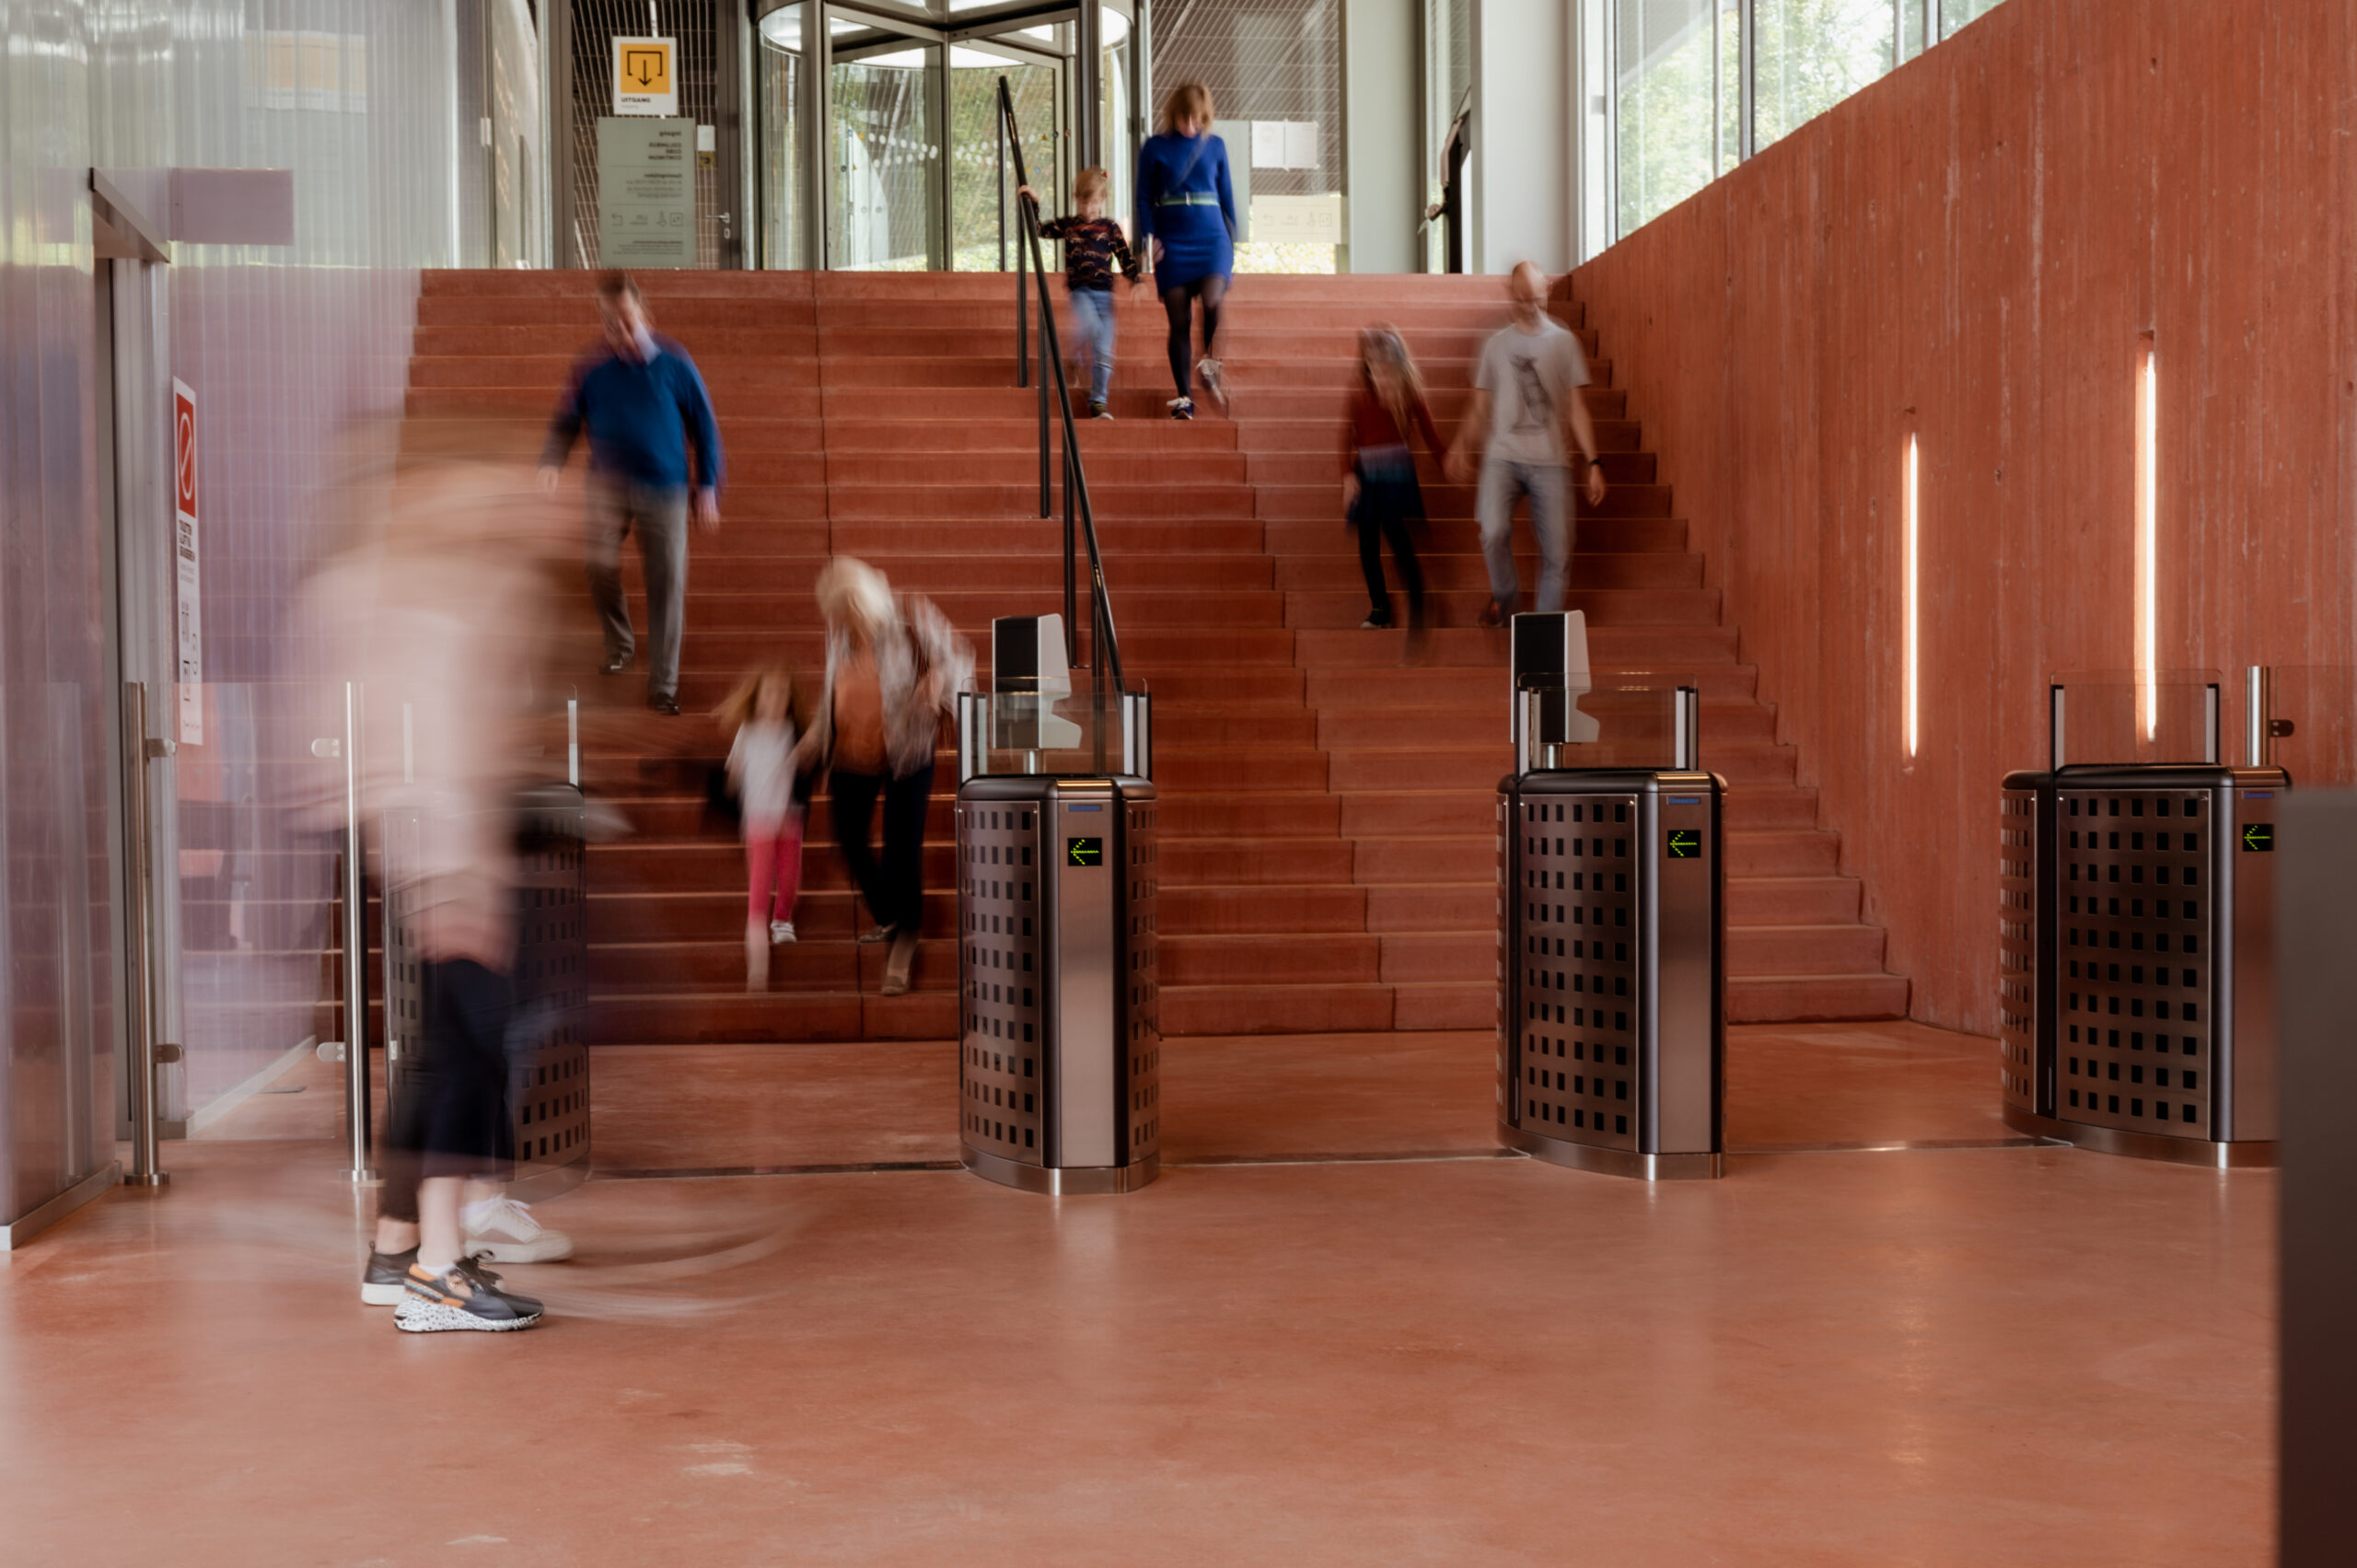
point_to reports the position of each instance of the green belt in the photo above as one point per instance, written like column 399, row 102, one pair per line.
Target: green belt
column 1189, row 199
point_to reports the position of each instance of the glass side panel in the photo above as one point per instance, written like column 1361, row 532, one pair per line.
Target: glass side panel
column 2120, row 716
column 1629, row 719
column 2316, row 725
column 1026, row 734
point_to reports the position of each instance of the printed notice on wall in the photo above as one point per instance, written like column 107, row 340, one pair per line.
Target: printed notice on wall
column 645, row 81
column 1297, row 220
column 188, row 600
column 647, row 193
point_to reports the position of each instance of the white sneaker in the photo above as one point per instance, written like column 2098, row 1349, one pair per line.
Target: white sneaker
column 1208, row 371
column 505, row 1231
column 781, row 931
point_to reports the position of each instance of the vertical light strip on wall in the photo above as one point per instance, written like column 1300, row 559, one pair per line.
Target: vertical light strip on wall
column 2147, row 485
column 1914, row 582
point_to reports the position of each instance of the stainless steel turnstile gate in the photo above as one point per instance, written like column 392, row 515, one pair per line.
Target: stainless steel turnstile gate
column 548, row 1062
column 2137, row 981
column 1060, row 1048
column 1610, row 1039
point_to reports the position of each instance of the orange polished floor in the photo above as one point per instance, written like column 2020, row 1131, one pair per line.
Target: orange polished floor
column 1338, row 1330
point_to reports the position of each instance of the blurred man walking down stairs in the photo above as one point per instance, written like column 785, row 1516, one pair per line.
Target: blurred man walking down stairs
column 1329, row 857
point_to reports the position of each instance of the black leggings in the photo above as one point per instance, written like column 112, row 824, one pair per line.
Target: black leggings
column 1175, row 303
column 894, row 891
column 1389, row 510
column 449, row 1114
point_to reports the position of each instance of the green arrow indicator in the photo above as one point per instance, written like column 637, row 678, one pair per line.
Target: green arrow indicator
column 1084, row 852
column 2259, row 837
column 1685, row 843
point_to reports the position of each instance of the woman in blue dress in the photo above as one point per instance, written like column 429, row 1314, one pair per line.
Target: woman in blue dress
column 1185, row 220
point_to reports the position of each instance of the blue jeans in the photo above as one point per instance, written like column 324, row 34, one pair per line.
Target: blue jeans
column 1546, row 485
column 1092, row 338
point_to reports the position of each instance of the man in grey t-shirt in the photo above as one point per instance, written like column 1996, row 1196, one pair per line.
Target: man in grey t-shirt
column 1526, row 391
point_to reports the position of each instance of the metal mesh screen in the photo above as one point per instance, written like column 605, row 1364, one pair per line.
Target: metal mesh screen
column 2017, row 949
column 1142, row 953
column 2136, row 1004
column 1275, row 59
column 596, row 23
column 1569, row 887
column 999, row 1080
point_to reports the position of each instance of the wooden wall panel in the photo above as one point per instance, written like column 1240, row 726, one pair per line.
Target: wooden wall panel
column 1974, row 247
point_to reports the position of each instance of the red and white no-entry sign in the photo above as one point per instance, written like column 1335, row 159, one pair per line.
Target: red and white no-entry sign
column 187, row 596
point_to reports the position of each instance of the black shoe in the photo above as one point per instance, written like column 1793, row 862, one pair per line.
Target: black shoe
column 666, row 704
column 1492, row 614
column 874, row 934
column 1182, row 408
column 1098, row 411
column 1376, row 620
column 386, row 1279
column 616, row 664
column 459, row 1299
column 471, row 1266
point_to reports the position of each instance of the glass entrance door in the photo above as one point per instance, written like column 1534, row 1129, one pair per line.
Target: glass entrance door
column 885, row 139
column 982, row 205
column 879, row 146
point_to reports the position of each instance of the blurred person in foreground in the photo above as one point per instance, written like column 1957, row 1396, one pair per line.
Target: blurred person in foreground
column 1524, row 393
column 894, row 667
column 645, row 405
column 442, row 616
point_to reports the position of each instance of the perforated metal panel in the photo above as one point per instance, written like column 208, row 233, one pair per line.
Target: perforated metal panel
column 1609, row 1013
column 549, row 1098
column 1141, row 917
column 548, row 1061
column 2021, row 1065
column 2137, row 1002
column 1000, row 912
column 1059, row 1060
column 2137, row 981
column 1574, row 959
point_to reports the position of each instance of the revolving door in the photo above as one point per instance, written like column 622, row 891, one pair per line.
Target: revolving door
column 877, row 134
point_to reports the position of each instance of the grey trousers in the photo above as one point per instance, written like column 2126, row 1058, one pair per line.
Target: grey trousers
column 1548, row 486
column 659, row 518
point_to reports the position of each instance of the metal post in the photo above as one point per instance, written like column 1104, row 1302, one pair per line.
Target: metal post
column 1045, row 501
column 2211, row 751
column 572, row 739
column 998, row 156
column 973, row 735
column 2054, row 729
column 356, row 951
column 1087, row 84
column 1137, row 735
column 1688, row 710
column 145, row 1147
column 2259, row 718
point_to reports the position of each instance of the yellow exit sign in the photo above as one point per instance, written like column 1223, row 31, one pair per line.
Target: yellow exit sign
column 647, row 75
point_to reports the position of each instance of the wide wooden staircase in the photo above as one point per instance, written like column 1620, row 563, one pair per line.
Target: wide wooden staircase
column 1328, row 855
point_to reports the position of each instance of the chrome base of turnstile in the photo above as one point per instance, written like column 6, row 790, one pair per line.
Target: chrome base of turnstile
column 1613, row 1162
column 2205, row 1152
column 1073, row 1181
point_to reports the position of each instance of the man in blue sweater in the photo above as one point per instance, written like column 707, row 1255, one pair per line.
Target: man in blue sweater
column 644, row 405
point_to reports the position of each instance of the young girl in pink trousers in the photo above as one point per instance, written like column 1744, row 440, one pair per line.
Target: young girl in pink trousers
column 768, row 711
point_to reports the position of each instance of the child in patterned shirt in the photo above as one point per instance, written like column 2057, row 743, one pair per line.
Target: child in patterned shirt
column 1094, row 246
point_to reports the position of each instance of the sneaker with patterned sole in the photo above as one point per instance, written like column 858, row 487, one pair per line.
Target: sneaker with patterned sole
column 781, row 931
column 1182, row 408
column 385, row 1281
column 461, row 1297
column 505, row 1231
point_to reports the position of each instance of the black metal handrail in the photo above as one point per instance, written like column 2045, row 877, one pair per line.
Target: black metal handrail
column 1104, row 647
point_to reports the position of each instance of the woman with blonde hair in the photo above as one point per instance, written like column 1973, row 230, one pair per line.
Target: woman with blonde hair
column 1380, row 494
column 894, row 667
column 1186, row 217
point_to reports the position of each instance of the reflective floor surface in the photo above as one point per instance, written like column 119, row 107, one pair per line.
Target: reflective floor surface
column 1336, row 1332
